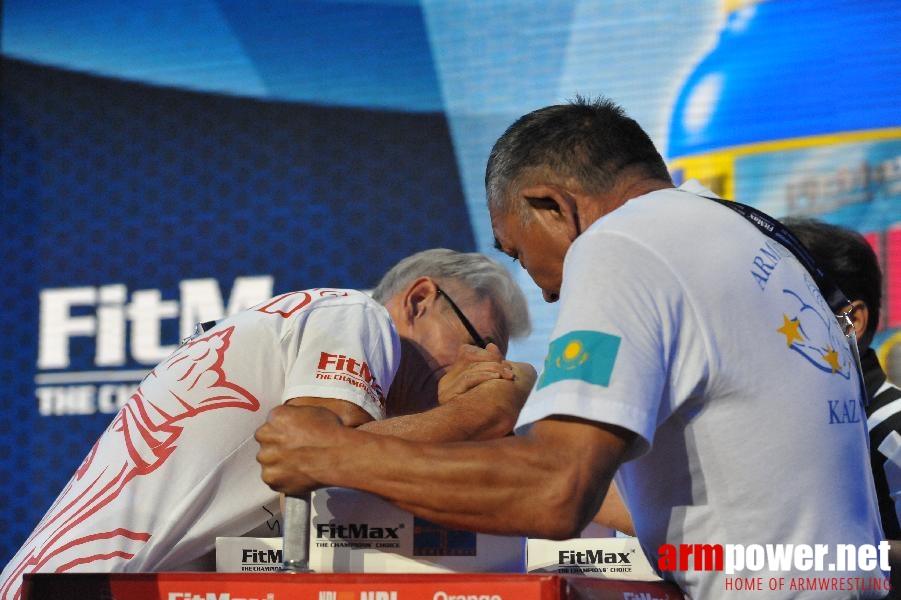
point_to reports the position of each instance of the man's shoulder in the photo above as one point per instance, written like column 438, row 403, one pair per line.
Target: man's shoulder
column 290, row 310
column 300, row 301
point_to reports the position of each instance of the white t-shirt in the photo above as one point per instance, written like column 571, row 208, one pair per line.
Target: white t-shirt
column 177, row 466
column 683, row 323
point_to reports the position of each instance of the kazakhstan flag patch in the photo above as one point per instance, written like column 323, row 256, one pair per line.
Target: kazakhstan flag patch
column 584, row 355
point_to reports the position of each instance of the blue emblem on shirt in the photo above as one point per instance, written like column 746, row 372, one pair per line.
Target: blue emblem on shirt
column 583, row 355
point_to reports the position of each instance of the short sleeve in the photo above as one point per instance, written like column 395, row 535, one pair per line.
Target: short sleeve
column 614, row 341
column 344, row 348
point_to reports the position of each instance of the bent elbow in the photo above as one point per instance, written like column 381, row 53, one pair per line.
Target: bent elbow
column 562, row 529
column 564, row 513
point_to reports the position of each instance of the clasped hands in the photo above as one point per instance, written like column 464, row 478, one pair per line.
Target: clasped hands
column 300, row 446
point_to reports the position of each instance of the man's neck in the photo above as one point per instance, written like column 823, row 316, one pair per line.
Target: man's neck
column 624, row 190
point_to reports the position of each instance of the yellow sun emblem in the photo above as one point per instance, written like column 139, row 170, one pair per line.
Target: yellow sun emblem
column 573, row 356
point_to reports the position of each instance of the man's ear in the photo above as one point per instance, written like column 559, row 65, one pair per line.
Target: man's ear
column 860, row 317
column 418, row 297
column 554, row 204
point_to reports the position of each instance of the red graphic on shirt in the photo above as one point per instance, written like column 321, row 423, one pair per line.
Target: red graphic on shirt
column 288, row 304
column 142, row 437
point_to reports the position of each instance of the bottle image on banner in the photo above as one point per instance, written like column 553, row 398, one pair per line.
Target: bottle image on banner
column 795, row 110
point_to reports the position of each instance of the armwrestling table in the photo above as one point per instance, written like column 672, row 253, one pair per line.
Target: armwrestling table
column 323, row 586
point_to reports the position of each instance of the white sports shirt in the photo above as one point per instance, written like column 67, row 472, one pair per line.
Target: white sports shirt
column 683, row 323
column 177, row 465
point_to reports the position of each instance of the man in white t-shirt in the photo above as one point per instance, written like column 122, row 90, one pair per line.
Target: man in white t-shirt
column 693, row 358
column 176, row 467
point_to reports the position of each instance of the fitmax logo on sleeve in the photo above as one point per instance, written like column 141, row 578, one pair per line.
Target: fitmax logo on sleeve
column 338, row 367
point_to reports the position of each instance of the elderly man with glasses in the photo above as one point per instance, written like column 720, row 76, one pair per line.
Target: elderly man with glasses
column 176, row 468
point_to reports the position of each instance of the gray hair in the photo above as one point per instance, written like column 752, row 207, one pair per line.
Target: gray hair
column 589, row 142
column 481, row 275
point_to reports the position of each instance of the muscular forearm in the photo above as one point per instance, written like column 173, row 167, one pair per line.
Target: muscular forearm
column 490, row 486
column 470, row 418
column 548, row 483
column 513, row 485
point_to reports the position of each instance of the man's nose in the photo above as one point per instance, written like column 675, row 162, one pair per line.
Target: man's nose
column 550, row 296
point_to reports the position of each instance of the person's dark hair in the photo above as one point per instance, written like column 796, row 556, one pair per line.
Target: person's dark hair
column 587, row 141
column 848, row 259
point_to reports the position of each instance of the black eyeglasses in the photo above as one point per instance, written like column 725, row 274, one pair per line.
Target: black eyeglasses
column 479, row 340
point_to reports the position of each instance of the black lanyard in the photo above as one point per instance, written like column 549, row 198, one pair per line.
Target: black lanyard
column 836, row 299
